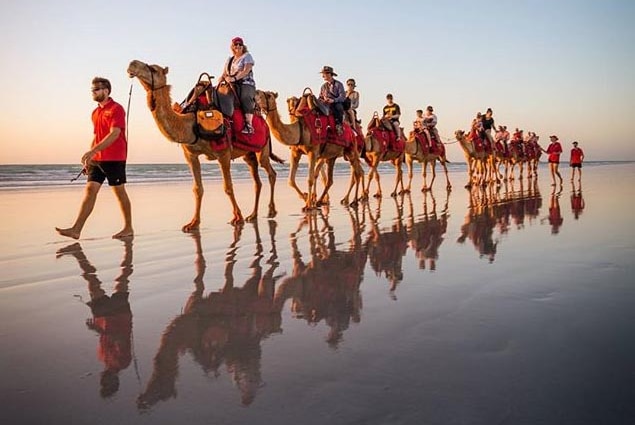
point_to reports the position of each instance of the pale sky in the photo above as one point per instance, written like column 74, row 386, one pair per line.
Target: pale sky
column 553, row 67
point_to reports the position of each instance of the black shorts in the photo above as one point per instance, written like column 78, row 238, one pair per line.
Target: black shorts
column 576, row 165
column 114, row 171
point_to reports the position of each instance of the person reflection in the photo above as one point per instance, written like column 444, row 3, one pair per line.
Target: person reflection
column 326, row 288
column 387, row 247
column 222, row 327
column 111, row 316
column 577, row 201
column 555, row 216
column 426, row 234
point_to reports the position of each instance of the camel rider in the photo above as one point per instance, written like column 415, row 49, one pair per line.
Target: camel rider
column 488, row 125
column 353, row 97
column 418, row 122
column 502, row 135
column 333, row 94
column 392, row 112
column 430, row 125
column 238, row 71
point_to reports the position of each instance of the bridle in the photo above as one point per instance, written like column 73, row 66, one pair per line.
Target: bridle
column 267, row 107
column 153, row 102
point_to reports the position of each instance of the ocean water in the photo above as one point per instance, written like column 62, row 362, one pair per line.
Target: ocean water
column 37, row 175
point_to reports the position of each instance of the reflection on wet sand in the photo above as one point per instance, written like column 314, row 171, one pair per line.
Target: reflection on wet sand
column 387, row 247
column 112, row 317
column 223, row 327
column 492, row 208
column 326, row 287
column 577, row 201
column 426, row 233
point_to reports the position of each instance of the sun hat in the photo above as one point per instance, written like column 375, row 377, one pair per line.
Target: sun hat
column 237, row 40
column 328, row 70
column 553, row 136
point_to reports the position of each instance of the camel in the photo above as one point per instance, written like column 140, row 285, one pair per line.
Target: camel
column 478, row 162
column 179, row 128
column 297, row 137
column 414, row 151
column 375, row 154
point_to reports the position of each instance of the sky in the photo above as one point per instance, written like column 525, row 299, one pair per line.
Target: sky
column 552, row 67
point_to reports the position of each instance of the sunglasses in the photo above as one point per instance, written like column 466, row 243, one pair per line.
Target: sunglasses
column 95, row 90
column 238, row 45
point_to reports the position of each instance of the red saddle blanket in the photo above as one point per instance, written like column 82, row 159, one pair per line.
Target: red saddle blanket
column 435, row 148
column 388, row 140
column 322, row 130
column 250, row 142
column 480, row 144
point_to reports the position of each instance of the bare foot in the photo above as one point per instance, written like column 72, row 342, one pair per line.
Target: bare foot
column 69, row 233
column 125, row 233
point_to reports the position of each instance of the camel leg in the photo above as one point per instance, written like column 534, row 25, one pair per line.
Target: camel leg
column 225, row 164
column 410, row 165
column 448, row 185
column 271, row 175
column 195, row 168
column 433, row 167
column 424, row 175
column 398, row 176
column 377, row 194
column 253, row 170
column 330, row 164
column 310, row 202
column 293, row 169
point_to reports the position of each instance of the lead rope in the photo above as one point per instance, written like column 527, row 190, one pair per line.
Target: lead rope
column 128, row 112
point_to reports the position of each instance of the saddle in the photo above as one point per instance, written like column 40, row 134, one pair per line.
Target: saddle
column 219, row 118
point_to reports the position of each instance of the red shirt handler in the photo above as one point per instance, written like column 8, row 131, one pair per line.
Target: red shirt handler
column 554, row 150
column 577, row 156
column 106, row 159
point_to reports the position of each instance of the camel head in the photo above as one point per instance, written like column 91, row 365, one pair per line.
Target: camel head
column 266, row 100
column 292, row 104
column 151, row 77
column 460, row 135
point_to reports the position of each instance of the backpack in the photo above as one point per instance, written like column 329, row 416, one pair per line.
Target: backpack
column 210, row 124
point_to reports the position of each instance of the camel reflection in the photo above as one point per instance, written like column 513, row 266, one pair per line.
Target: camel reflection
column 496, row 208
column 223, row 327
column 112, row 317
column 326, row 288
column 426, row 232
column 387, row 246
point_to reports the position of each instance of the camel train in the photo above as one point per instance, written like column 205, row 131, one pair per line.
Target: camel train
column 309, row 132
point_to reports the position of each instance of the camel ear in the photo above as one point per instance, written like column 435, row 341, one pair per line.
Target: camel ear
column 275, row 94
column 165, row 70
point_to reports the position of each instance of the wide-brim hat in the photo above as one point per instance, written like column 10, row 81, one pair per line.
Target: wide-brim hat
column 575, row 143
column 328, row 70
column 553, row 136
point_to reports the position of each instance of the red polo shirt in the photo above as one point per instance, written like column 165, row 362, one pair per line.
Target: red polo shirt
column 106, row 117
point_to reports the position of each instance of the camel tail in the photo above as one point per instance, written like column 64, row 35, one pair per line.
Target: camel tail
column 273, row 156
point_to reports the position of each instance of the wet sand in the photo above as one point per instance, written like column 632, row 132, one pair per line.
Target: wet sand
column 475, row 307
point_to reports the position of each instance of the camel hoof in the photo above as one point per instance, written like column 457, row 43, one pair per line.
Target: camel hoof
column 251, row 218
column 377, row 195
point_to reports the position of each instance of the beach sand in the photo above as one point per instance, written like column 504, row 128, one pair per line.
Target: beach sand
column 463, row 308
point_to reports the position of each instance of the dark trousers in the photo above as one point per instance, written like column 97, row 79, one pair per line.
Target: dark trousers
column 338, row 112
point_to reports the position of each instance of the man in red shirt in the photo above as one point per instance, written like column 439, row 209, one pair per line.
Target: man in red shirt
column 554, row 150
column 106, row 159
column 577, row 156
